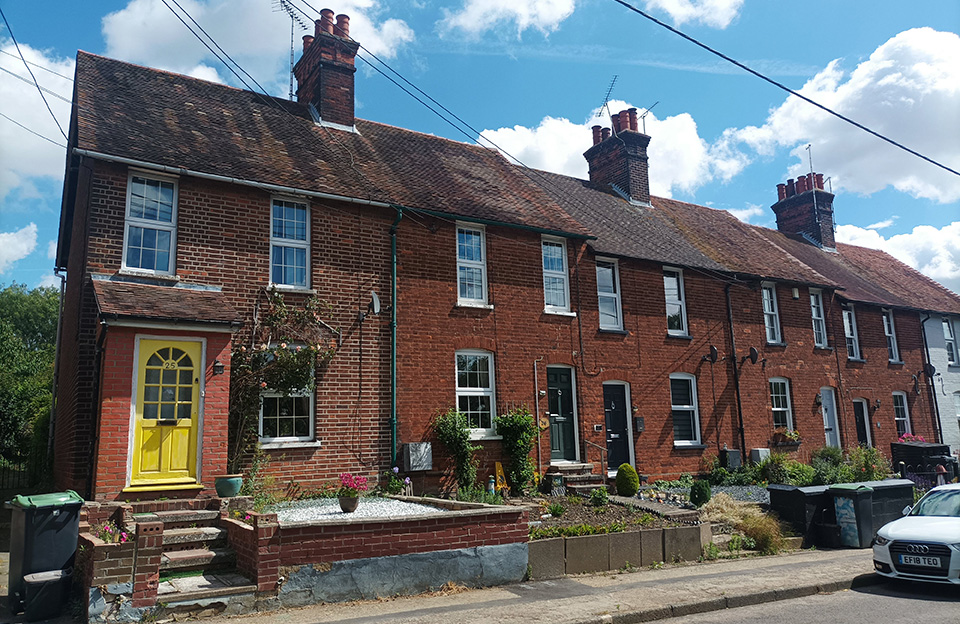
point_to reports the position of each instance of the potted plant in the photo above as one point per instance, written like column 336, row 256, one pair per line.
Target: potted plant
column 785, row 437
column 228, row 485
column 349, row 491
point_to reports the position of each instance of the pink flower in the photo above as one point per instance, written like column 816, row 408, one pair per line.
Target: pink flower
column 263, row 384
column 283, row 345
column 299, row 348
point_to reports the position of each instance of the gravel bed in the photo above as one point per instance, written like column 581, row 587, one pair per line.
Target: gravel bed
column 328, row 510
column 747, row 493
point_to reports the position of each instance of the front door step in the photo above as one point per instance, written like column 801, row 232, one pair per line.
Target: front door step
column 180, row 539
column 197, row 558
column 203, row 587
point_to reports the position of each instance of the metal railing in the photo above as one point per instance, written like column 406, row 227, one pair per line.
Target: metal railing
column 603, row 458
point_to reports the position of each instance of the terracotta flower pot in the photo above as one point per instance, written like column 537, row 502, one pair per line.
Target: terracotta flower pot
column 228, row 486
column 348, row 503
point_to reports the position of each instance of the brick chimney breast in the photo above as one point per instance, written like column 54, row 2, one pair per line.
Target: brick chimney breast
column 804, row 208
column 620, row 160
column 325, row 72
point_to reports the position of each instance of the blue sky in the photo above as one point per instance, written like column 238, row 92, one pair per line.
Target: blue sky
column 531, row 75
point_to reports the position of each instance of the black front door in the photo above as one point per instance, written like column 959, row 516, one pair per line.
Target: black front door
column 615, row 413
column 560, row 394
column 860, row 414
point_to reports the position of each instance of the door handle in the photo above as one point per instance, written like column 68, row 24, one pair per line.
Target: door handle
column 614, row 436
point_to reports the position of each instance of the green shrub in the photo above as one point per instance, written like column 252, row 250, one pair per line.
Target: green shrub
column 700, row 492
column 556, row 509
column 829, row 454
column 478, row 495
column 799, row 474
column 599, row 497
column 868, row 464
column 765, row 531
column 519, row 434
column 453, row 431
column 537, row 533
column 628, row 481
column 773, row 469
column 718, row 476
column 683, row 481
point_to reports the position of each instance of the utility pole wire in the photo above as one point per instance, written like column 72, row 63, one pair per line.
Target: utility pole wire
column 629, row 6
column 36, row 84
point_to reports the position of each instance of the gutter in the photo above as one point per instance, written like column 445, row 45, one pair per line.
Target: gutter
column 736, row 374
column 56, row 365
column 393, row 335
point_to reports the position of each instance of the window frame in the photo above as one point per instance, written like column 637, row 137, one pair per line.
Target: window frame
column 787, row 409
column 491, row 391
column 291, row 243
column 564, row 275
column 473, row 264
column 905, row 417
column 616, row 296
column 694, row 409
column 850, row 331
column 283, row 440
column 816, row 304
column 771, row 316
column 890, row 332
column 143, row 223
column 950, row 341
column 956, row 404
column 682, row 302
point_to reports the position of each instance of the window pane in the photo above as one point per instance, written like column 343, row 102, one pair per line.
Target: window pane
column 553, row 259
column 289, row 220
column 671, row 286
column 681, row 392
column 605, row 278
column 166, row 411
column 151, row 199
column 675, row 316
column 555, row 291
column 683, row 425
column 183, row 411
column 469, row 245
column 609, row 312
column 151, row 393
column 150, row 411
column 471, row 283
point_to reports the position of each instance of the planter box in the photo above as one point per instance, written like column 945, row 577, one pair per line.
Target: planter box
column 588, row 553
column 547, row 558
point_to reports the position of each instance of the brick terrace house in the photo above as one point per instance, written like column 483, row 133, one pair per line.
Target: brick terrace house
column 637, row 329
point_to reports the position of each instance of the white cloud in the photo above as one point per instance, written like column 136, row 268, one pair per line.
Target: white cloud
column 934, row 252
column 714, row 13
column 17, row 245
column 679, row 158
column 49, row 281
column 33, row 157
column 52, row 249
column 478, row 16
column 879, row 225
column 745, row 214
column 908, row 90
column 250, row 31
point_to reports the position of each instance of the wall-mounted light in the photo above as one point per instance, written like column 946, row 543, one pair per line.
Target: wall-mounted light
column 818, row 400
column 218, row 367
column 795, row 293
column 876, row 404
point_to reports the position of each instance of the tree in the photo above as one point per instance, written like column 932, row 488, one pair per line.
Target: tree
column 28, row 332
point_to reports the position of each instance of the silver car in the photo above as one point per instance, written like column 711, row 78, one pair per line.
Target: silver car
column 924, row 545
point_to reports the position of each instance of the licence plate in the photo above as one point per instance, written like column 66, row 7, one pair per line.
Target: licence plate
column 931, row 562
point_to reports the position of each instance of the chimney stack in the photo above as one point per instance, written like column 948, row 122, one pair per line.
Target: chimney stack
column 325, row 71
column 618, row 160
column 804, row 208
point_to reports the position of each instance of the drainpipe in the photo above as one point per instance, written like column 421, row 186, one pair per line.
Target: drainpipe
column 536, row 405
column 56, row 366
column 736, row 374
column 927, row 364
column 393, row 336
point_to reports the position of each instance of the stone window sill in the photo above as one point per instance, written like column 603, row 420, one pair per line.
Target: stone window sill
column 268, row 446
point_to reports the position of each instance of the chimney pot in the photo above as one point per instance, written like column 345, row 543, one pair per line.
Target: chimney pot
column 791, row 188
column 808, row 215
column 615, row 120
column 781, row 191
column 801, row 185
column 605, row 134
column 625, row 120
column 819, row 178
column 632, row 112
column 596, row 134
column 343, row 26
column 810, row 181
column 307, row 40
column 326, row 21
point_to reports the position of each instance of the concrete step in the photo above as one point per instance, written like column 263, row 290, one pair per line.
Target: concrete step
column 582, row 479
column 194, row 537
column 570, row 468
column 179, row 592
column 197, row 559
column 181, row 518
column 584, row 489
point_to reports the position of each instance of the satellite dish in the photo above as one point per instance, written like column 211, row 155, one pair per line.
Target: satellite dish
column 714, row 354
column 929, row 370
column 754, row 354
column 374, row 305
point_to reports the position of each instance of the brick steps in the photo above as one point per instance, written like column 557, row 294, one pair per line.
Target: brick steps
column 191, row 537
column 203, row 588
column 197, row 559
column 577, row 478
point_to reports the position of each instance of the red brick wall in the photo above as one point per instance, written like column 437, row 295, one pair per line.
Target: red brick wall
column 328, row 542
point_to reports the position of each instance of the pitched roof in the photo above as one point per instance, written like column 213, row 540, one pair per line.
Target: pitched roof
column 129, row 300
column 174, row 120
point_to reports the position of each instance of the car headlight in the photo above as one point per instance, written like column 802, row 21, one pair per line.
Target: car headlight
column 880, row 541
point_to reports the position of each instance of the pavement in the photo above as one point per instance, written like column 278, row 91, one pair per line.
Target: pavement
column 612, row 598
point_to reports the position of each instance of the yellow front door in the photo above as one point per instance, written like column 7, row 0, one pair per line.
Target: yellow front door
column 165, row 435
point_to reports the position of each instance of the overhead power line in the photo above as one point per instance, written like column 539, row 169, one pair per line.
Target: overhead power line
column 779, row 85
column 30, row 82
column 39, row 66
column 27, row 65
column 34, row 132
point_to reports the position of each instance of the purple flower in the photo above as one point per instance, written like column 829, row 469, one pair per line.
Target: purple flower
column 406, row 480
column 396, row 470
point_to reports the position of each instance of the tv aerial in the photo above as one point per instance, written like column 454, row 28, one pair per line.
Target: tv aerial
column 286, row 7
column 606, row 98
